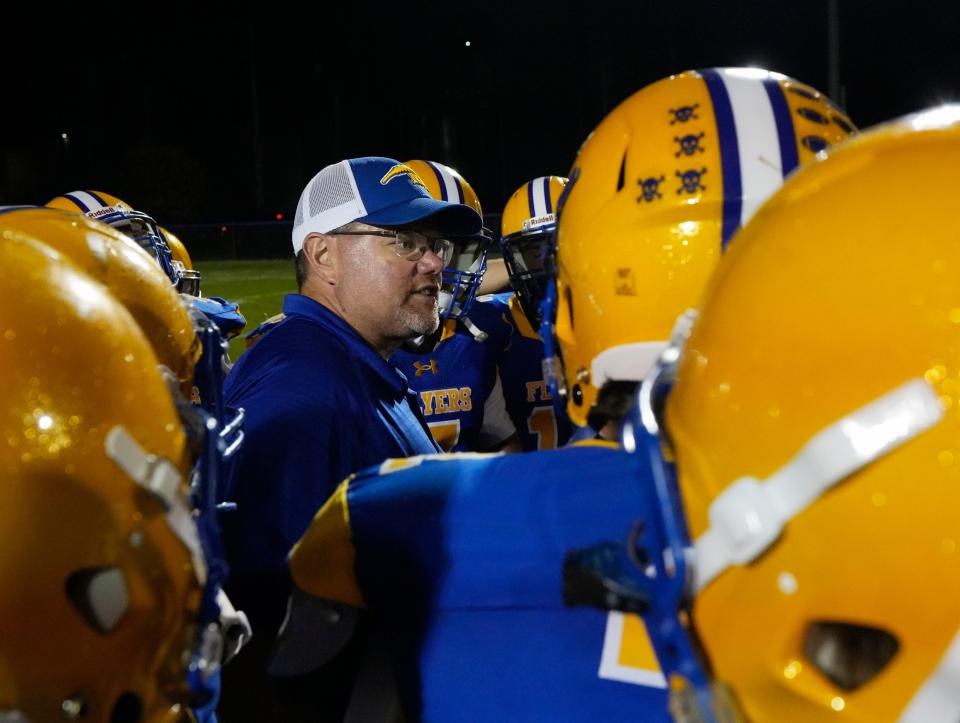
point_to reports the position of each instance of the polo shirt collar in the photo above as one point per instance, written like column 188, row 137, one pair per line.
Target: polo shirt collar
column 300, row 305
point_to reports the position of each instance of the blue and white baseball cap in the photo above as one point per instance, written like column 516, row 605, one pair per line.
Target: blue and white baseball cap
column 378, row 191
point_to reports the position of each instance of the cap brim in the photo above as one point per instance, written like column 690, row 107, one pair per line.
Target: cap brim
column 447, row 218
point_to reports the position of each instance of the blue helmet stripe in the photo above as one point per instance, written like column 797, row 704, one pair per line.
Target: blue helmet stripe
column 459, row 189
column 546, row 194
column 729, row 154
column 440, row 181
column 80, row 204
column 530, row 202
column 105, row 204
column 785, row 131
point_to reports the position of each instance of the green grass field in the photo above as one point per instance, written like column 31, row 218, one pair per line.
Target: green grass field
column 258, row 286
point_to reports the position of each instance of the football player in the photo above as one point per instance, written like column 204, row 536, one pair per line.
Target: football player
column 462, row 560
column 806, row 567
column 455, row 371
column 189, row 352
column 103, row 615
column 120, row 215
column 223, row 317
column 528, row 226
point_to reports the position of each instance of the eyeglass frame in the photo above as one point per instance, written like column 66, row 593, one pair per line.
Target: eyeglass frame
column 396, row 237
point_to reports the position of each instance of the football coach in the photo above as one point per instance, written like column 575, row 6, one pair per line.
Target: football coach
column 321, row 399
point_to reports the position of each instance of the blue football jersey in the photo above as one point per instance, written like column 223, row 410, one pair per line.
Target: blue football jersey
column 460, row 558
column 526, row 395
column 457, row 382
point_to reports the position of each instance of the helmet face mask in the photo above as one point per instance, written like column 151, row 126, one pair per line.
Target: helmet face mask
column 460, row 279
column 145, row 231
column 529, row 261
column 188, row 280
column 528, row 240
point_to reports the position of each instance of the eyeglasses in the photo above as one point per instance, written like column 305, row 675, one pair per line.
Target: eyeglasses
column 410, row 245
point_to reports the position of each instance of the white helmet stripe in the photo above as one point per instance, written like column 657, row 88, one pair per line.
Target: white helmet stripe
column 540, row 188
column 86, row 201
column 449, row 186
column 546, row 194
column 758, row 139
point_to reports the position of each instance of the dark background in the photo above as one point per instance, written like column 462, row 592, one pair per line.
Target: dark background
column 222, row 112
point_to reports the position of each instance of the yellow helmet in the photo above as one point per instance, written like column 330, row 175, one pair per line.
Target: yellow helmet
column 100, row 586
column 461, row 279
column 815, row 424
column 526, row 239
column 112, row 211
column 656, row 193
column 177, row 250
column 445, row 184
column 188, row 278
column 131, row 275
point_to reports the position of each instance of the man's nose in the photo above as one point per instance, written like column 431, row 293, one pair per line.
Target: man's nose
column 430, row 263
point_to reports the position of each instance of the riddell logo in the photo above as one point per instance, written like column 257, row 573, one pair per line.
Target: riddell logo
column 102, row 212
column 539, row 221
column 399, row 170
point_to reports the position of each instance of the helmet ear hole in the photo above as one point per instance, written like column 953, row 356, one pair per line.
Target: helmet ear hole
column 99, row 594
column 621, row 178
column 848, row 655
column 127, row 709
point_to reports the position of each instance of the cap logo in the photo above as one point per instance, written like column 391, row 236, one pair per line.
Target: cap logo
column 399, row 170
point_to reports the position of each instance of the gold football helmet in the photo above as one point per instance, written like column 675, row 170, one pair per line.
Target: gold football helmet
column 445, row 184
column 188, row 278
column 656, row 194
column 461, row 278
column 131, row 275
column 112, row 211
column 815, row 424
column 100, row 564
column 526, row 239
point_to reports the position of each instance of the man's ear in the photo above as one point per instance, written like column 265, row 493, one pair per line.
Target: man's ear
column 320, row 257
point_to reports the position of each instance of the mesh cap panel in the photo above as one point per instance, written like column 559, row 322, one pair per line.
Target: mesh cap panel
column 330, row 188
column 330, row 200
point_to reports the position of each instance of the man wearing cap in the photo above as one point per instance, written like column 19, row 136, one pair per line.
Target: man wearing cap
column 321, row 399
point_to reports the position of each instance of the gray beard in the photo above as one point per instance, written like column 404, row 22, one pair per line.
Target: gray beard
column 419, row 324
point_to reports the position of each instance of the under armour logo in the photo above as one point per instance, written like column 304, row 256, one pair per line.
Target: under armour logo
column 424, row 368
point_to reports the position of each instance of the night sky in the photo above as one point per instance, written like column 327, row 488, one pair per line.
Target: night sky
column 215, row 113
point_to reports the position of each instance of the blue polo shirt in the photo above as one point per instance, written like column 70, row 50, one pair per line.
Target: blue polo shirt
column 320, row 404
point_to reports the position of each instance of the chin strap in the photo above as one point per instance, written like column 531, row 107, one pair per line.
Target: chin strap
column 161, row 479
column 479, row 334
column 748, row 516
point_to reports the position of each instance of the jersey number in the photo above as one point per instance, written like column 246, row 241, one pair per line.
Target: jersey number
column 446, row 434
column 543, row 423
column 628, row 654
